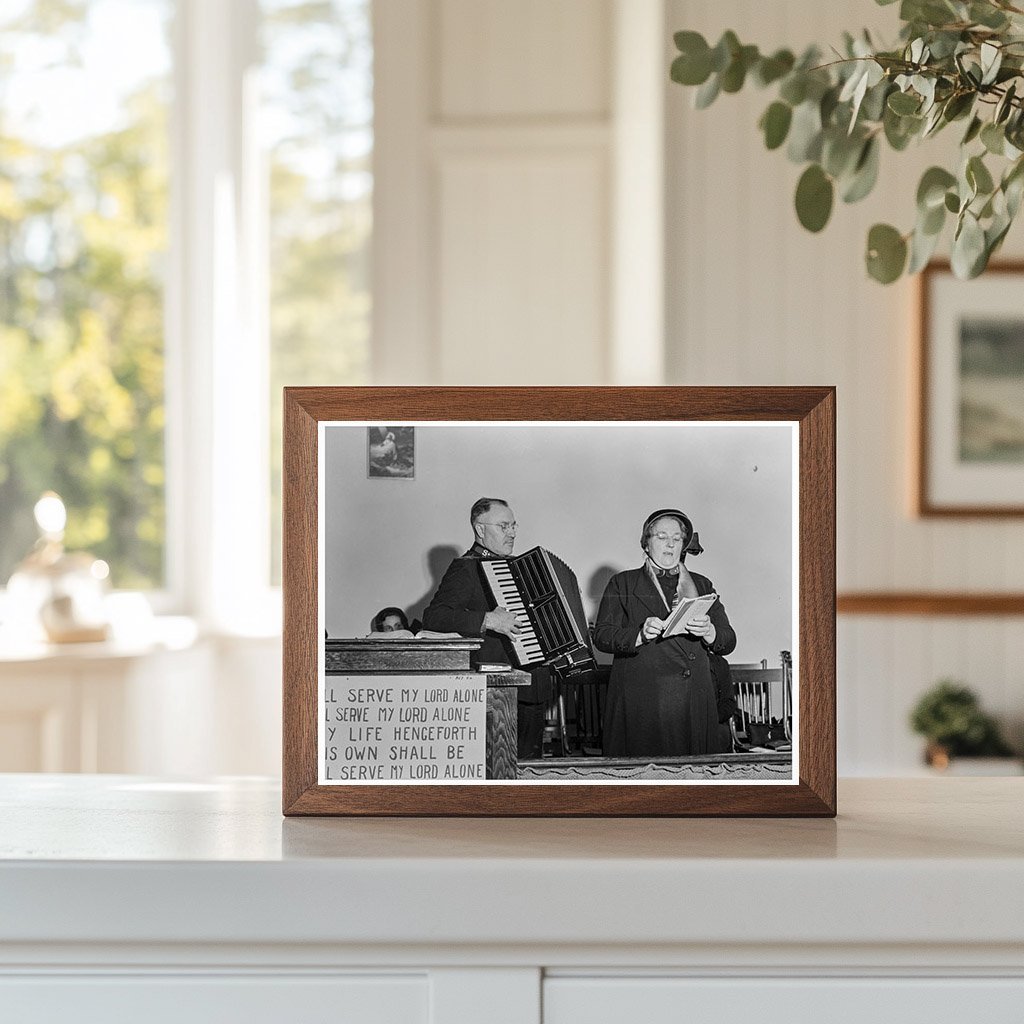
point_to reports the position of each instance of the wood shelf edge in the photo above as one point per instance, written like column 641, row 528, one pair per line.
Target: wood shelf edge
column 928, row 603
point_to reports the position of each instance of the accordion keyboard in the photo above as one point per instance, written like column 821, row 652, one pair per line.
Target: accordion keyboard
column 526, row 646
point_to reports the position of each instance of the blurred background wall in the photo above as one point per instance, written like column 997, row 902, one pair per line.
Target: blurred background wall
column 412, row 191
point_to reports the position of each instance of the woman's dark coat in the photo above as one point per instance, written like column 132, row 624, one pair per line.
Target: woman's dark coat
column 662, row 699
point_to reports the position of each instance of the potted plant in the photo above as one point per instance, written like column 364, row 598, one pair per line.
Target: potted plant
column 950, row 717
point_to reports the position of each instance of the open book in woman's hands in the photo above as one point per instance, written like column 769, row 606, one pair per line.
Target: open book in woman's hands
column 688, row 608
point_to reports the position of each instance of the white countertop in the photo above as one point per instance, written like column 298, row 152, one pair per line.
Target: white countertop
column 124, row 859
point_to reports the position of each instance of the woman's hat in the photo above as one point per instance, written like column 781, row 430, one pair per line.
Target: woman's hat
column 692, row 541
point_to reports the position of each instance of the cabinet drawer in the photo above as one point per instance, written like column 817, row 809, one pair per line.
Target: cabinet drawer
column 676, row 1000
column 222, row 999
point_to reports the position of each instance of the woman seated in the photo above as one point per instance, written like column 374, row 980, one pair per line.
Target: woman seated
column 662, row 699
column 390, row 620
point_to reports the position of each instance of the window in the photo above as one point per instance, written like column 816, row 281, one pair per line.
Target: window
column 185, row 222
column 317, row 118
column 83, row 236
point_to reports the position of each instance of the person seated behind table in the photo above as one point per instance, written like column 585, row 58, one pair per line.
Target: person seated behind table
column 389, row 620
column 463, row 605
column 662, row 698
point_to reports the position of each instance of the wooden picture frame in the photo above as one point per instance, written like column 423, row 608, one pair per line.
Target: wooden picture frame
column 804, row 414
column 969, row 448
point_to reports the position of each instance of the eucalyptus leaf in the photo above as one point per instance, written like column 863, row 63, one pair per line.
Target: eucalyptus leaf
column 794, row 88
column 900, row 130
column 724, row 51
column 735, row 74
column 968, row 247
column 707, row 93
column 978, row 175
column 775, row 124
column 994, row 236
column 991, row 60
column 903, row 103
column 805, row 133
column 952, row 202
column 932, row 221
column 828, row 104
column 839, row 152
column 865, row 174
column 1013, row 191
column 931, row 12
column 958, row 105
column 922, row 248
column 1013, row 187
column 931, row 190
column 873, row 106
column 987, row 15
column 771, row 69
column 944, row 44
column 925, row 88
column 886, row 253
column 993, row 138
column 1004, row 106
column 693, row 65
column 814, row 195
column 972, row 132
column 857, row 77
column 933, row 122
column 686, row 71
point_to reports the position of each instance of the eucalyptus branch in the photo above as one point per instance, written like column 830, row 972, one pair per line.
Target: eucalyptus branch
column 833, row 117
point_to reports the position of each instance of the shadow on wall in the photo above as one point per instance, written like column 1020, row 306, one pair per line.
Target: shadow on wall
column 438, row 560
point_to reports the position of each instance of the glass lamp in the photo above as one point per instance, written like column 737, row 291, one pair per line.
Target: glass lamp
column 54, row 595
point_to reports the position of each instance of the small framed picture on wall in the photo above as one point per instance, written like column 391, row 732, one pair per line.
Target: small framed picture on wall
column 970, row 417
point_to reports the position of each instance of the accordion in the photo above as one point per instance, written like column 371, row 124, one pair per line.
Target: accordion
column 542, row 591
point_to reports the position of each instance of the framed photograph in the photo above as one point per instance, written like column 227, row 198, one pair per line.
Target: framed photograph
column 585, row 601
column 970, row 444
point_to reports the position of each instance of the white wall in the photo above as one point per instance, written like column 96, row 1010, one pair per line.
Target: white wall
column 504, row 258
column 582, row 493
column 512, row 154
column 755, row 299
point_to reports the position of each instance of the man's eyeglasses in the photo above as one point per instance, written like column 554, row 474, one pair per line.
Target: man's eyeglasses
column 676, row 538
column 505, row 527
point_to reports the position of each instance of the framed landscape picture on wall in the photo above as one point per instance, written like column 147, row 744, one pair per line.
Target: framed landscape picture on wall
column 584, row 601
column 970, row 444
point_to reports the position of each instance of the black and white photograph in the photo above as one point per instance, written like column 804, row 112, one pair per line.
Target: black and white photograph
column 558, row 603
column 391, row 452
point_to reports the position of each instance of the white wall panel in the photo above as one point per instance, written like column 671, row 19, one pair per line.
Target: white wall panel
column 523, row 284
column 530, row 58
column 496, row 249
column 752, row 298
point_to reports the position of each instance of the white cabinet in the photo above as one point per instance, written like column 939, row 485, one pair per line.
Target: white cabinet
column 175, row 704
column 226, row 999
column 823, row 1000
column 100, row 707
column 127, row 898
